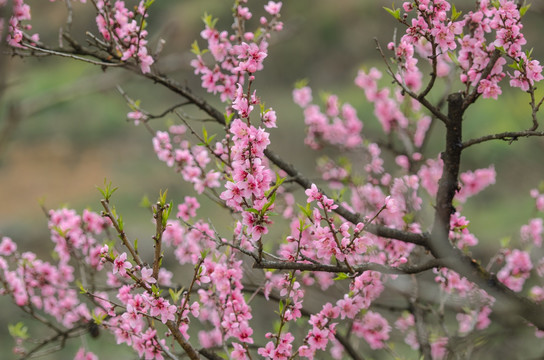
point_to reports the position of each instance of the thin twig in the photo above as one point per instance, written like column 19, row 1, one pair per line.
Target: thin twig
column 509, row 136
column 121, row 233
column 72, row 56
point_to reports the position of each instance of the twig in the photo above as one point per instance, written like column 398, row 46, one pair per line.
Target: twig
column 121, row 233
column 509, row 136
column 420, row 98
column 72, row 56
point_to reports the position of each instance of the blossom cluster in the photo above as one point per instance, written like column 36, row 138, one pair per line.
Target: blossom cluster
column 234, row 55
column 124, row 30
column 18, row 24
column 437, row 32
column 191, row 161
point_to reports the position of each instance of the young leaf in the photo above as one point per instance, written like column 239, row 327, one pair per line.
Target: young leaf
column 195, row 49
column 18, row 330
column 305, row 210
column 341, row 276
column 395, row 13
column 524, row 9
column 228, row 118
column 145, row 203
column 301, row 83
column 454, row 13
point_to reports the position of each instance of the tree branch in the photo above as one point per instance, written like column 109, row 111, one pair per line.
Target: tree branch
column 509, row 136
column 508, row 302
column 341, row 268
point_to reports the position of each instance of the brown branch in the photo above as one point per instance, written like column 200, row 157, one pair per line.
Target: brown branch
column 420, row 98
column 72, row 56
column 508, row 302
column 470, row 99
column 376, row 229
column 189, row 350
column 122, row 234
column 509, row 136
column 342, row 268
column 434, row 63
column 59, row 336
column 158, row 215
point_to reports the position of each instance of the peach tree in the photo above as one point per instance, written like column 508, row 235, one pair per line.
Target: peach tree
column 402, row 278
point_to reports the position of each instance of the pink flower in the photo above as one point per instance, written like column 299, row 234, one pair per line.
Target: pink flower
column 161, row 307
column 120, row 264
column 7, row 246
column 239, row 353
column 82, row 355
column 374, row 328
column 489, row 89
column 273, row 8
column 313, row 194
column 303, row 96
column 188, row 209
column 147, row 276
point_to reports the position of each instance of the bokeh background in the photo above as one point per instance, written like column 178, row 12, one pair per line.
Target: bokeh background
column 65, row 127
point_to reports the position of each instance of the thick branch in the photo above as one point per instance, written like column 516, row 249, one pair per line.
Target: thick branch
column 189, row 350
column 448, row 184
column 378, row 230
column 342, row 268
column 508, row 302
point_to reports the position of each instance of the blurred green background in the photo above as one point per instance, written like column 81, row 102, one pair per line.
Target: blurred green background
column 72, row 132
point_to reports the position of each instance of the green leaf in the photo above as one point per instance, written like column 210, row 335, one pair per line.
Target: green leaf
column 209, row 20
column 156, row 290
column 18, row 330
column 453, row 57
column 135, row 244
column 305, row 210
column 258, row 33
column 162, row 197
column 281, row 305
column 505, row 242
column 394, row 12
column 120, row 222
column 82, row 290
column 301, row 83
column 454, row 13
column 195, row 49
column 269, row 203
column 205, row 134
column 98, row 318
column 166, row 213
column 210, row 139
column 228, row 118
column 145, row 203
column 148, row 3
column 107, row 191
column 524, row 9
column 408, row 218
column 175, row 295
column 341, row 276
